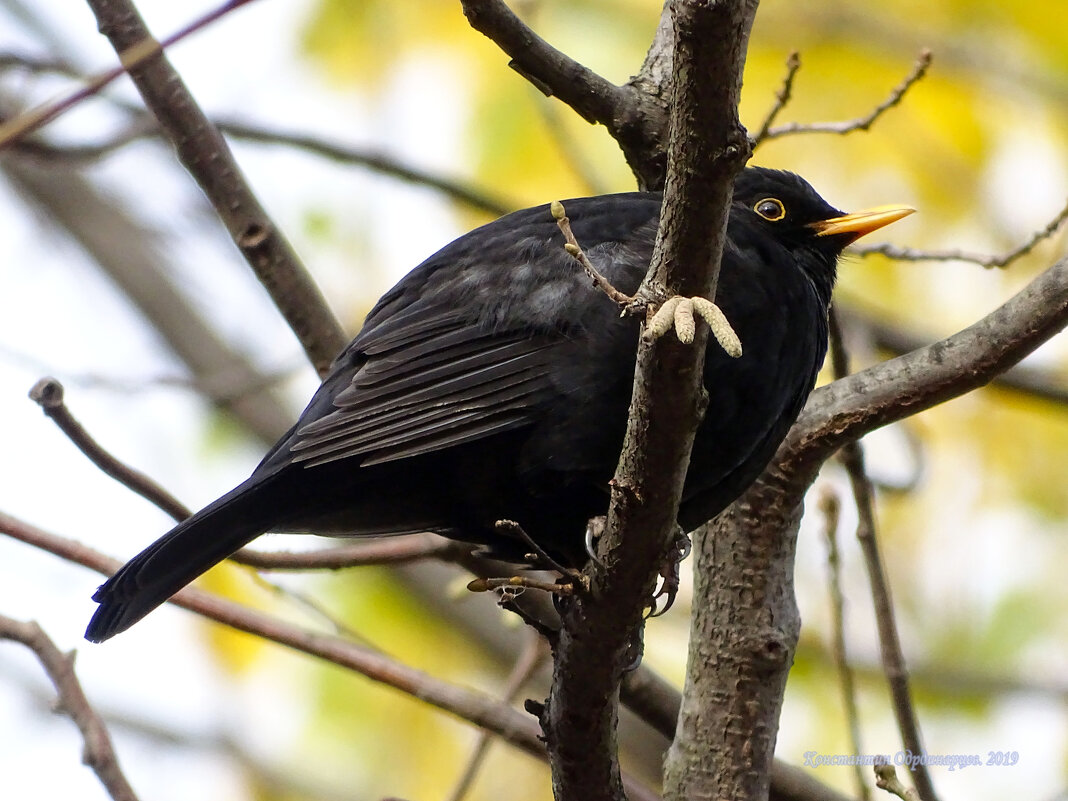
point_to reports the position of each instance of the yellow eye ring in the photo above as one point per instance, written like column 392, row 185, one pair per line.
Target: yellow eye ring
column 770, row 208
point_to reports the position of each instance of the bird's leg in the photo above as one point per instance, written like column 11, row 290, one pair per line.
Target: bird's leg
column 635, row 649
column 669, row 570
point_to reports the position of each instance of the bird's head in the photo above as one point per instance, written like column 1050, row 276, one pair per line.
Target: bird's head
column 783, row 207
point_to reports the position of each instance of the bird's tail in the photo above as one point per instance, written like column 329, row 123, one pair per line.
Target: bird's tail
column 179, row 556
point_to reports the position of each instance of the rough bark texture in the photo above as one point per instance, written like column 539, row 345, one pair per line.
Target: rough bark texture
column 741, row 648
column 706, row 149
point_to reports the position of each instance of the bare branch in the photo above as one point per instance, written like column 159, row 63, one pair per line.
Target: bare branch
column 782, row 97
column 578, row 254
column 897, row 94
column 892, row 390
column 373, row 160
column 387, row 551
column 204, row 152
column 984, row 259
column 519, row 582
column 830, row 507
column 48, row 394
column 852, row 457
column 530, row 660
column 632, row 115
column 1047, row 384
column 598, row 638
column 98, row 752
column 132, row 57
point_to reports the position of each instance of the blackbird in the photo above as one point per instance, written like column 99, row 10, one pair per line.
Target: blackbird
column 493, row 382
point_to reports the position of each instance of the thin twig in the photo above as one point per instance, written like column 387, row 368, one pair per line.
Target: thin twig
column 852, row 457
column 984, row 259
column 530, row 660
column 510, row 528
column 830, row 507
column 886, row 779
column 897, row 94
column 145, row 125
column 48, row 394
column 98, row 751
column 337, row 152
column 782, row 97
column 130, row 58
column 519, row 583
column 578, row 254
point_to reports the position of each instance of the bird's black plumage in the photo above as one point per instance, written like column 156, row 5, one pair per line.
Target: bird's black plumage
column 493, row 381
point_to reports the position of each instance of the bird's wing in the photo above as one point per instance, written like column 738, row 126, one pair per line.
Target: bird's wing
column 427, row 381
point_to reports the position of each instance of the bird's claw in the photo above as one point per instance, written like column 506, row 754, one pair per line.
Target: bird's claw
column 594, row 530
column 669, row 570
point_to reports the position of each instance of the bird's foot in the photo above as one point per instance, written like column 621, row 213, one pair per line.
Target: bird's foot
column 669, row 571
column 635, row 649
column 678, row 313
column 594, row 530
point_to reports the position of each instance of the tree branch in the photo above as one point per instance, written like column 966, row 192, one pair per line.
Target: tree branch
column 634, row 118
column 98, row 752
column 897, row 94
column 890, row 391
column 1038, row 382
column 852, row 456
column 601, row 629
column 204, row 152
column 475, row 707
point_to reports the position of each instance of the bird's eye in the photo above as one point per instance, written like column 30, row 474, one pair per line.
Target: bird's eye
column 770, row 208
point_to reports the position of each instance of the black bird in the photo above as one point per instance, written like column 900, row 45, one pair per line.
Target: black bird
column 493, row 382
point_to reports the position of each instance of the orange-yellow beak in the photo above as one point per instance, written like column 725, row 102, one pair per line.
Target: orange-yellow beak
column 862, row 222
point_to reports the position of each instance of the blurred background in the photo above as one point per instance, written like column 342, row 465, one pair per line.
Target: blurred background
column 116, row 278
